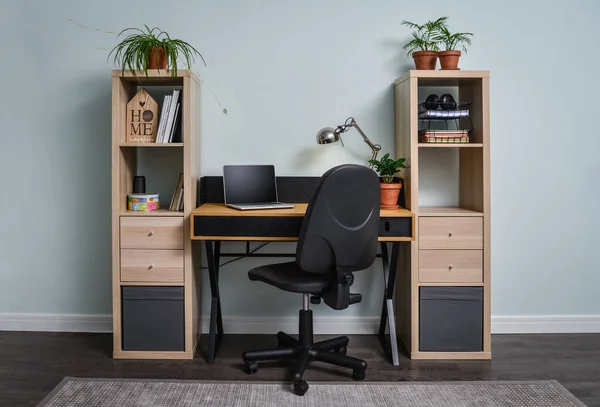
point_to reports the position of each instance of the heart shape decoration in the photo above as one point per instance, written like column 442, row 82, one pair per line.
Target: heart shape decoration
column 142, row 104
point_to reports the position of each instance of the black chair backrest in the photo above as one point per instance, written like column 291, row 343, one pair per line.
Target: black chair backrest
column 340, row 229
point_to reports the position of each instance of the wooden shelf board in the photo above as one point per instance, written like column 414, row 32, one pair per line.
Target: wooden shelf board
column 160, row 212
column 451, row 284
column 446, row 211
column 152, row 355
column 156, row 76
column 451, row 145
column 417, row 355
column 150, row 283
column 150, row 144
column 433, row 77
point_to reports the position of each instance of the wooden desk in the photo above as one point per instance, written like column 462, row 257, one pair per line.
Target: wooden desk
column 213, row 222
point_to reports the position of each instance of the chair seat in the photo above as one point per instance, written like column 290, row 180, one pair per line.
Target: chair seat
column 289, row 277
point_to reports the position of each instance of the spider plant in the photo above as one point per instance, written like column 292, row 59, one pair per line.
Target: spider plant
column 452, row 41
column 138, row 46
column 424, row 35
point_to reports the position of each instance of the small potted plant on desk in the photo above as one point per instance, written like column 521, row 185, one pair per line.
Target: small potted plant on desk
column 387, row 169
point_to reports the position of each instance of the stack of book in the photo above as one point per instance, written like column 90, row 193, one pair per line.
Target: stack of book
column 169, row 116
column 443, row 136
column 177, row 199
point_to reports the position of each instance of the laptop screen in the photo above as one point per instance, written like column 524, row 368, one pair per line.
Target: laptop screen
column 249, row 183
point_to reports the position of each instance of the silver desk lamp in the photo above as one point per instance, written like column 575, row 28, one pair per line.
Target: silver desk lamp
column 330, row 135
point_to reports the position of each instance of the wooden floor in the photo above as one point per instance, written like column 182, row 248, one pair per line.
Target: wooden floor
column 32, row 364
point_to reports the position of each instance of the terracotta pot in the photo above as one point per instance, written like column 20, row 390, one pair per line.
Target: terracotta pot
column 389, row 195
column 425, row 59
column 157, row 59
column 449, row 59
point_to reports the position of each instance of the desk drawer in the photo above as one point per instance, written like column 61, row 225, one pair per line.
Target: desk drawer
column 450, row 266
column 151, row 233
column 164, row 266
column 450, row 232
column 395, row 227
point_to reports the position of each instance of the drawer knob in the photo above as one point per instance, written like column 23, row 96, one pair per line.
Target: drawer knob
column 150, row 266
column 151, row 233
column 450, row 234
column 450, row 267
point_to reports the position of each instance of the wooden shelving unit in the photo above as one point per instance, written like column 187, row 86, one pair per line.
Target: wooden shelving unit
column 451, row 252
column 153, row 249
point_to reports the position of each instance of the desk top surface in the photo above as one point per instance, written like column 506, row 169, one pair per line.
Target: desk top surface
column 299, row 209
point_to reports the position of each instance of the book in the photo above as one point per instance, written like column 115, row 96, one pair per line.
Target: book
column 176, row 192
column 171, row 115
column 445, row 114
column 443, row 136
column 175, row 123
column 163, row 118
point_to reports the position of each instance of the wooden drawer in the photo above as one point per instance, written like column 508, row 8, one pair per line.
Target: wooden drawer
column 165, row 266
column 151, row 233
column 450, row 232
column 450, row 266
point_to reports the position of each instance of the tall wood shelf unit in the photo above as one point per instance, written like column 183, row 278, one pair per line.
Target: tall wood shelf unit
column 153, row 249
column 451, row 252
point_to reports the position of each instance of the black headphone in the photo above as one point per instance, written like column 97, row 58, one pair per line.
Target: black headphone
column 444, row 102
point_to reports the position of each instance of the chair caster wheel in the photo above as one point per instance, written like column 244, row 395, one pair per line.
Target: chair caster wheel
column 358, row 374
column 300, row 387
column 342, row 351
column 251, row 367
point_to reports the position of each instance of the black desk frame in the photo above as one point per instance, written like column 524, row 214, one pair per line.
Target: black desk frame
column 209, row 186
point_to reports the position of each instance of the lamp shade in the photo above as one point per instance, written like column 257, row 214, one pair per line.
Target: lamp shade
column 327, row 135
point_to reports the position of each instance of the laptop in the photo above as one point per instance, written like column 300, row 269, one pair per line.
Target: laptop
column 248, row 187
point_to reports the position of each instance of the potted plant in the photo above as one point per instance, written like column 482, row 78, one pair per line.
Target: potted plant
column 423, row 46
column 387, row 169
column 451, row 42
column 152, row 49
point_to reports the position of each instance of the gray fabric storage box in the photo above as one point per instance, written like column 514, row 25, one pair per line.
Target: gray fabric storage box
column 451, row 319
column 153, row 319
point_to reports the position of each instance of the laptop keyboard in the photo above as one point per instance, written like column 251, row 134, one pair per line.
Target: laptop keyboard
column 262, row 204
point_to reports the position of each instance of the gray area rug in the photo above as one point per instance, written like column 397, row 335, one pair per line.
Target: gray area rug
column 79, row 392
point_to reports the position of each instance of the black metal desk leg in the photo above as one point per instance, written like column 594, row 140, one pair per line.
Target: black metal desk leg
column 216, row 322
column 387, row 310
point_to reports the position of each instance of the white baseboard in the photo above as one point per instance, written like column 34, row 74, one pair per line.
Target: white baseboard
column 55, row 322
column 539, row 324
column 502, row 324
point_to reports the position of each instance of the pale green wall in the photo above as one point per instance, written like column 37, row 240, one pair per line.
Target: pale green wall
column 285, row 69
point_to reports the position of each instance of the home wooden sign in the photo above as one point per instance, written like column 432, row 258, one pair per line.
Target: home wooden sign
column 142, row 118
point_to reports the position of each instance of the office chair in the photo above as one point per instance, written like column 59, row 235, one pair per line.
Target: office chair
column 338, row 236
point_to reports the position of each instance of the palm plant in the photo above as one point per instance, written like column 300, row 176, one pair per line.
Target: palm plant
column 452, row 41
column 424, row 35
column 141, row 49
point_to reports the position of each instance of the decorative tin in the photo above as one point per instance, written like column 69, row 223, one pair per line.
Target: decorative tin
column 143, row 202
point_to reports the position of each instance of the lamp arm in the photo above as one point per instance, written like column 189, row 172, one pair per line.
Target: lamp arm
column 374, row 147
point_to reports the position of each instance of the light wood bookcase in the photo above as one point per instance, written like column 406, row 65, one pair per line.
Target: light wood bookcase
column 154, row 248
column 452, row 245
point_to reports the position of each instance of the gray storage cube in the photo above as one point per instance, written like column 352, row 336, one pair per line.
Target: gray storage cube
column 153, row 319
column 451, row 319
